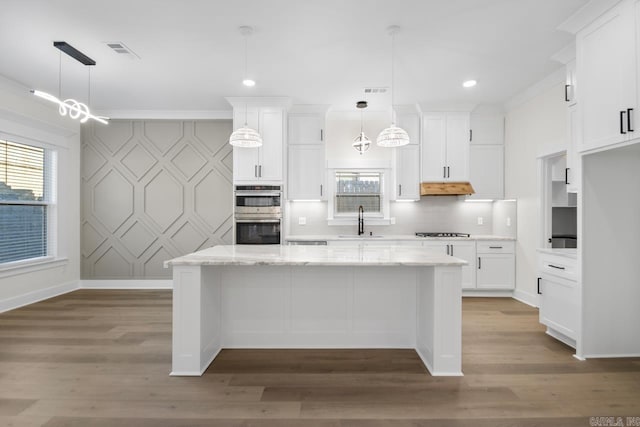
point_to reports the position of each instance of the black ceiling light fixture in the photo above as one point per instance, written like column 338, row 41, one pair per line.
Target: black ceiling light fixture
column 70, row 107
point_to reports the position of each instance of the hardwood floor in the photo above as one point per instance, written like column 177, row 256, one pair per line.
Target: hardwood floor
column 102, row 358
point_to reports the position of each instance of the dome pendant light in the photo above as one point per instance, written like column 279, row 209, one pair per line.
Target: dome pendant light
column 392, row 136
column 361, row 143
column 246, row 137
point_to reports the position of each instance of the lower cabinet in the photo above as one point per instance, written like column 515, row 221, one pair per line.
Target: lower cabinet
column 558, row 297
column 495, row 265
column 465, row 250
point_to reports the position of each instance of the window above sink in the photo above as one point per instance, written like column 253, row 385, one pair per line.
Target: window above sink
column 351, row 188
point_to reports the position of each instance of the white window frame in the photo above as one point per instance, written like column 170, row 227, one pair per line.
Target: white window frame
column 50, row 190
column 351, row 218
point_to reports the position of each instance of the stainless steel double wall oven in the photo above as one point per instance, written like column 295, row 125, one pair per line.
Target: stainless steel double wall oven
column 258, row 214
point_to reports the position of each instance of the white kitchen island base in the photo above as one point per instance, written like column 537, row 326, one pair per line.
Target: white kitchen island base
column 370, row 305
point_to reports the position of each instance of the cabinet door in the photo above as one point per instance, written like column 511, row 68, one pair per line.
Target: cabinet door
column 466, row 251
column 245, row 160
column 495, row 271
column 487, row 129
column 433, row 147
column 559, row 305
column 407, row 167
column 457, row 154
column 463, row 250
column 306, row 129
column 606, row 53
column 486, row 171
column 271, row 152
column 306, row 172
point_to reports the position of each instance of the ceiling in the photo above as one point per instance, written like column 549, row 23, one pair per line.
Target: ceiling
column 191, row 54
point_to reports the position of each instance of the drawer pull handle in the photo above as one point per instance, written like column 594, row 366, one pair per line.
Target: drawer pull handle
column 555, row 266
column 479, row 263
column 495, row 247
column 539, row 278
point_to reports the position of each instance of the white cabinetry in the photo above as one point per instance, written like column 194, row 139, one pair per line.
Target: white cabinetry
column 559, row 297
column 487, row 129
column 407, row 173
column 607, row 55
column 407, row 158
column 306, row 151
column 486, row 171
column 445, row 147
column 263, row 164
column 465, row 250
column 495, row 265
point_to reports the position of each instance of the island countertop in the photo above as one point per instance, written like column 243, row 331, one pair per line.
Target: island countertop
column 316, row 255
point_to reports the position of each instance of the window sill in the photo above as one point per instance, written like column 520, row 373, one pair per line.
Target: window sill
column 28, row 266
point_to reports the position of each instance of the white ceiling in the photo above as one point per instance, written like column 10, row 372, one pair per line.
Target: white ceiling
column 316, row 52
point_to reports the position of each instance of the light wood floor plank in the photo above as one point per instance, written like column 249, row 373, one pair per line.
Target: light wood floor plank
column 102, row 358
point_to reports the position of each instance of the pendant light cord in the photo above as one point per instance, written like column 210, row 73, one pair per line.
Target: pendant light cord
column 393, row 36
column 89, row 89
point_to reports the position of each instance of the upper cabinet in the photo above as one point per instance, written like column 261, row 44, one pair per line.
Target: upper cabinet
column 263, row 164
column 487, row 129
column 486, row 171
column 306, row 154
column 445, row 147
column 407, row 158
column 607, row 61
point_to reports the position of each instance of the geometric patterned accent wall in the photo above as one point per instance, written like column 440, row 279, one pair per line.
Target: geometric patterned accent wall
column 151, row 191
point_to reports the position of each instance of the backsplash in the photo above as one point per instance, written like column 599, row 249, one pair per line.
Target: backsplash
column 429, row 214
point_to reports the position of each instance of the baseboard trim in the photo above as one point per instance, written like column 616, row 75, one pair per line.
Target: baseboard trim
column 36, row 296
column 526, row 298
column 127, row 284
column 487, row 294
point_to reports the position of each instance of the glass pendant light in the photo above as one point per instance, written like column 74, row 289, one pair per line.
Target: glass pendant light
column 361, row 143
column 246, row 137
column 392, row 136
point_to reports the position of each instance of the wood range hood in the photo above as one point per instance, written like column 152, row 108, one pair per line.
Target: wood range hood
column 446, row 188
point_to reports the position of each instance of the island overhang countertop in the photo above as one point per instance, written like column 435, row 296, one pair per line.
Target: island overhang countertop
column 315, row 256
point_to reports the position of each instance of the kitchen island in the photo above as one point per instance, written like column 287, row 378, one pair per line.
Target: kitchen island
column 273, row 296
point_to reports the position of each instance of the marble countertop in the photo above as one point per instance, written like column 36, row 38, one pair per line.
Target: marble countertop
column 397, row 237
column 566, row 252
column 316, row 255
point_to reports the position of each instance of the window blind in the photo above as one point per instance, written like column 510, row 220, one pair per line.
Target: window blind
column 23, row 202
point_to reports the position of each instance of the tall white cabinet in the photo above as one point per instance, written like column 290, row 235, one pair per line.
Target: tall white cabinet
column 486, row 156
column 607, row 61
column 407, row 158
column 445, row 147
column 306, row 154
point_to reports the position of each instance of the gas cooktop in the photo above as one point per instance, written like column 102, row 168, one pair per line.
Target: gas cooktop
column 440, row 234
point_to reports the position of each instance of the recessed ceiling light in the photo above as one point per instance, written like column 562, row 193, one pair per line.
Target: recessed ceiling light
column 469, row 83
column 249, row 82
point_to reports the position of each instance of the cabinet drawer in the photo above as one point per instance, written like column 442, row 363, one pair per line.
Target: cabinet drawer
column 558, row 266
column 495, row 247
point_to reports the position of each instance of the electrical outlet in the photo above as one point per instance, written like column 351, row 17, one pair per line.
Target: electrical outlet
column 480, row 220
column 302, row 220
column 509, row 222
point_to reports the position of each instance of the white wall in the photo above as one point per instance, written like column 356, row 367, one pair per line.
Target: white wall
column 26, row 119
column 533, row 127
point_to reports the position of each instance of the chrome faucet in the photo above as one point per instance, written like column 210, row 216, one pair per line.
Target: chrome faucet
column 360, row 220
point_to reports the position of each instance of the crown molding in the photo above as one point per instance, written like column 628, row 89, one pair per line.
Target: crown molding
column 167, row 114
column 586, row 15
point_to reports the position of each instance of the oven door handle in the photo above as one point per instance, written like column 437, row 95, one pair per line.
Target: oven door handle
column 259, row 194
column 265, row 221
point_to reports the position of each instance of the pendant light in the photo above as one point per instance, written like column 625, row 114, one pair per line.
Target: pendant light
column 392, row 136
column 361, row 143
column 70, row 107
column 246, row 137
